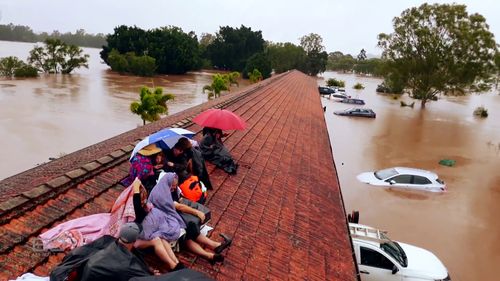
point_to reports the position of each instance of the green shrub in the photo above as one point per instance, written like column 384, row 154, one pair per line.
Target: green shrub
column 117, row 62
column 26, row 71
column 8, row 65
column 332, row 82
column 142, row 66
column 481, row 111
column 255, row 76
column 358, row 86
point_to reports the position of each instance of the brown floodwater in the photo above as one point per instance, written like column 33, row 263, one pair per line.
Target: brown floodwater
column 460, row 226
column 55, row 115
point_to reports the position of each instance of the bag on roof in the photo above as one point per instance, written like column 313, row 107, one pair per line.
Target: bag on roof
column 192, row 189
column 192, row 218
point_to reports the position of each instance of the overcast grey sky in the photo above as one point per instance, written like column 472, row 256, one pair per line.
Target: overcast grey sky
column 347, row 25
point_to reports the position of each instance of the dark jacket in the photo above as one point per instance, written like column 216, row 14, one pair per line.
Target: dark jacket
column 198, row 166
column 214, row 151
column 115, row 262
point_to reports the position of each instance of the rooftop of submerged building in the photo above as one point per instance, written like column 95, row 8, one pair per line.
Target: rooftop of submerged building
column 283, row 208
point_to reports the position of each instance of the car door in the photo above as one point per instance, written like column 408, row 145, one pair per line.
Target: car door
column 420, row 182
column 375, row 266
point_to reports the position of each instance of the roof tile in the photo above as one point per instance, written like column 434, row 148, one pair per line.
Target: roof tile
column 272, row 207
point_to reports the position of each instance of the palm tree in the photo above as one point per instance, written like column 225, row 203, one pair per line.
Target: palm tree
column 219, row 84
column 152, row 104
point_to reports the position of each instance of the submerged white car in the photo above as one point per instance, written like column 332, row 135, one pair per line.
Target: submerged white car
column 382, row 259
column 404, row 178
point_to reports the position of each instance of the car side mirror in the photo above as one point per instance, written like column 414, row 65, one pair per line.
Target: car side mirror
column 392, row 182
column 395, row 269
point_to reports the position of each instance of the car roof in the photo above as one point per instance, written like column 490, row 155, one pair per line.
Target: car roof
column 414, row 171
column 364, row 233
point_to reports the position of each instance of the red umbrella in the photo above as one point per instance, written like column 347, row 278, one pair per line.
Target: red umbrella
column 220, row 119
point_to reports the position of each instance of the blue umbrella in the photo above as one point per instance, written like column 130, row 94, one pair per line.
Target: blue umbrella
column 164, row 139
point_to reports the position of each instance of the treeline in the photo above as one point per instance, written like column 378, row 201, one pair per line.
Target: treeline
column 23, row 33
column 170, row 50
column 337, row 61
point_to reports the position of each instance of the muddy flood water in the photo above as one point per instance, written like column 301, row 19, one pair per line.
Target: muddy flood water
column 55, row 115
column 460, row 226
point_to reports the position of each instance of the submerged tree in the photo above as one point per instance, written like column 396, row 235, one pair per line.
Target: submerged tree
column 439, row 48
column 151, row 105
column 57, row 57
column 12, row 66
column 8, row 65
column 285, row 56
column 232, row 47
column 255, row 76
column 220, row 83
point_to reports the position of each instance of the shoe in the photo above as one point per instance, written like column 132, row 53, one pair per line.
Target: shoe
column 227, row 242
column 217, row 258
column 179, row 266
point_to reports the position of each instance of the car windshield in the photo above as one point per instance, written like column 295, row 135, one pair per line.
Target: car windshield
column 386, row 173
column 440, row 181
column 394, row 250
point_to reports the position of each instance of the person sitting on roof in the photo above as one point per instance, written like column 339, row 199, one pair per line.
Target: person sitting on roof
column 164, row 221
column 161, row 247
column 195, row 162
column 141, row 166
column 192, row 188
column 177, row 161
column 214, row 150
column 116, row 261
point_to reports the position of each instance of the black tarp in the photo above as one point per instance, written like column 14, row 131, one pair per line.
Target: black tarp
column 77, row 258
column 180, row 275
column 115, row 262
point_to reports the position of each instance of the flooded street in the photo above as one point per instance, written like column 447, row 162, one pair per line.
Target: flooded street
column 460, row 226
column 55, row 115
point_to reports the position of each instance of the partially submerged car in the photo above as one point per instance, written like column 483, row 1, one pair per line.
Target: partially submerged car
column 381, row 259
column 326, row 90
column 404, row 178
column 353, row 101
column 358, row 112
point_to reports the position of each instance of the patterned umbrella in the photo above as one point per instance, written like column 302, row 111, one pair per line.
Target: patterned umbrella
column 164, row 139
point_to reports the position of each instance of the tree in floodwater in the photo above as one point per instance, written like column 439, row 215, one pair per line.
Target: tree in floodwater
column 232, row 47
column 8, row 65
column 57, row 57
column 151, row 105
column 316, row 57
column 439, row 48
column 285, row 56
column 220, row 82
column 255, row 76
column 261, row 62
column 13, row 66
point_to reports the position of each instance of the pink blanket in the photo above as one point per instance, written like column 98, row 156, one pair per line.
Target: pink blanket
column 77, row 232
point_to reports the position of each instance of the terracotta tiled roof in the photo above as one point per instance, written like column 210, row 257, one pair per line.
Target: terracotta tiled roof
column 283, row 208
